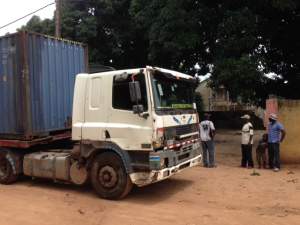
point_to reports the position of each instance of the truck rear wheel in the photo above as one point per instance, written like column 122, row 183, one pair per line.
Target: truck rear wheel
column 8, row 173
column 109, row 177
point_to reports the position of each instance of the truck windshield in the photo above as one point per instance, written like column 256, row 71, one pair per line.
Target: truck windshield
column 171, row 93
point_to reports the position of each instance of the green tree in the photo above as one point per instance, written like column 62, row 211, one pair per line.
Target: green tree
column 171, row 30
column 108, row 29
column 35, row 24
column 105, row 26
column 278, row 25
column 199, row 103
column 242, row 79
column 240, row 40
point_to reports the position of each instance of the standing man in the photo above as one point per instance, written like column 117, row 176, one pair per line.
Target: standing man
column 207, row 133
column 276, row 136
column 247, row 142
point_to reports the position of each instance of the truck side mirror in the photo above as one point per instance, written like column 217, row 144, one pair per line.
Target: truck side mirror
column 138, row 109
column 136, row 97
column 135, row 92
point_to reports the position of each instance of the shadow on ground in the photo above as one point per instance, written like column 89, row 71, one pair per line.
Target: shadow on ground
column 150, row 194
column 47, row 184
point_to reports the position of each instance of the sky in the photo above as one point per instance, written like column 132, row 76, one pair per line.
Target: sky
column 11, row 10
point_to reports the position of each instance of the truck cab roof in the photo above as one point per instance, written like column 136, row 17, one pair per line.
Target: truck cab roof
column 137, row 70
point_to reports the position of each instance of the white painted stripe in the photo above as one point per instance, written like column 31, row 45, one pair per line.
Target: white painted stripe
column 181, row 144
column 111, row 125
column 187, row 135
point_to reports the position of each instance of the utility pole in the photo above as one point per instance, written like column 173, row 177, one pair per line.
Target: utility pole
column 58, row 18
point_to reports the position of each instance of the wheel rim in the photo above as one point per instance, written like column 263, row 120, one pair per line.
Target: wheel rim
column 3, row 167
column 108, row 177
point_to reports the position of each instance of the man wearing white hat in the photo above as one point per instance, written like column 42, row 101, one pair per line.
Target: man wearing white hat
column 276, row 135
column 247, row 142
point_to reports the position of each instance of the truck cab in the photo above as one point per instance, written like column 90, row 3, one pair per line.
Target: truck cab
column 129, row 127
column 146, row 117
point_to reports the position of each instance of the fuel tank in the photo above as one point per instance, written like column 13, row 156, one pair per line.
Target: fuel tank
column 52, row 165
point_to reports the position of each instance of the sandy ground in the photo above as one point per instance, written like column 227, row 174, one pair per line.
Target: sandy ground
column 226, row 195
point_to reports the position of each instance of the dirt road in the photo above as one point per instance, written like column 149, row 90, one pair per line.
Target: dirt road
column 227, row 195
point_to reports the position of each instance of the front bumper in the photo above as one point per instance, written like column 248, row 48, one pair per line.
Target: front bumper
column 145, row 178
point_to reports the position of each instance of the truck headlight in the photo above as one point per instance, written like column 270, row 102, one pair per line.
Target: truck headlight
column 157, row 144
column 160, row 138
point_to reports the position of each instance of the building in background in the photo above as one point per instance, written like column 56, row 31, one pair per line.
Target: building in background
column 219, row 99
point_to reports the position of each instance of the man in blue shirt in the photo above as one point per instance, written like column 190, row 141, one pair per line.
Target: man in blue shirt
column 275, row 136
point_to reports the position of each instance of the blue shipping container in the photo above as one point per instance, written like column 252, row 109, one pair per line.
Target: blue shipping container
column 37, row 76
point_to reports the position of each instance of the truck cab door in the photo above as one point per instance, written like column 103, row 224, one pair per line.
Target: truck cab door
column 128, row 130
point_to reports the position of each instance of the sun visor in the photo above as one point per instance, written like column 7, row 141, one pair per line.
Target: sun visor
column 176, row 75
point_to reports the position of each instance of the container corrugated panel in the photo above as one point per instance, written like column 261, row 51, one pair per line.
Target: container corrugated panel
column 37, row 76
column 10, row 121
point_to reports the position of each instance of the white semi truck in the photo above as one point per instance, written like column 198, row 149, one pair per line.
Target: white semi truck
column 129, row 127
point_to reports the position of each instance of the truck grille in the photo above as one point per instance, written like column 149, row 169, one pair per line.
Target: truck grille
column 184, row 129
column 175, row 132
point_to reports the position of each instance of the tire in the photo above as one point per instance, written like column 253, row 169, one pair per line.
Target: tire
column 8, row 174
column 109, row 177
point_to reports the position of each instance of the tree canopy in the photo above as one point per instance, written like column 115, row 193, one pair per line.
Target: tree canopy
column 238, row 41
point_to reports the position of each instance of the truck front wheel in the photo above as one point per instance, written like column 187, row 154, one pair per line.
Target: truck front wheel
column 8, row 174
column 109, row 177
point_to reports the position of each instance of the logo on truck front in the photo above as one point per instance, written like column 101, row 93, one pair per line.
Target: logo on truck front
column 176, row 120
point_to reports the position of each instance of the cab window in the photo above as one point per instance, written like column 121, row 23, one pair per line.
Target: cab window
column 121, row 95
